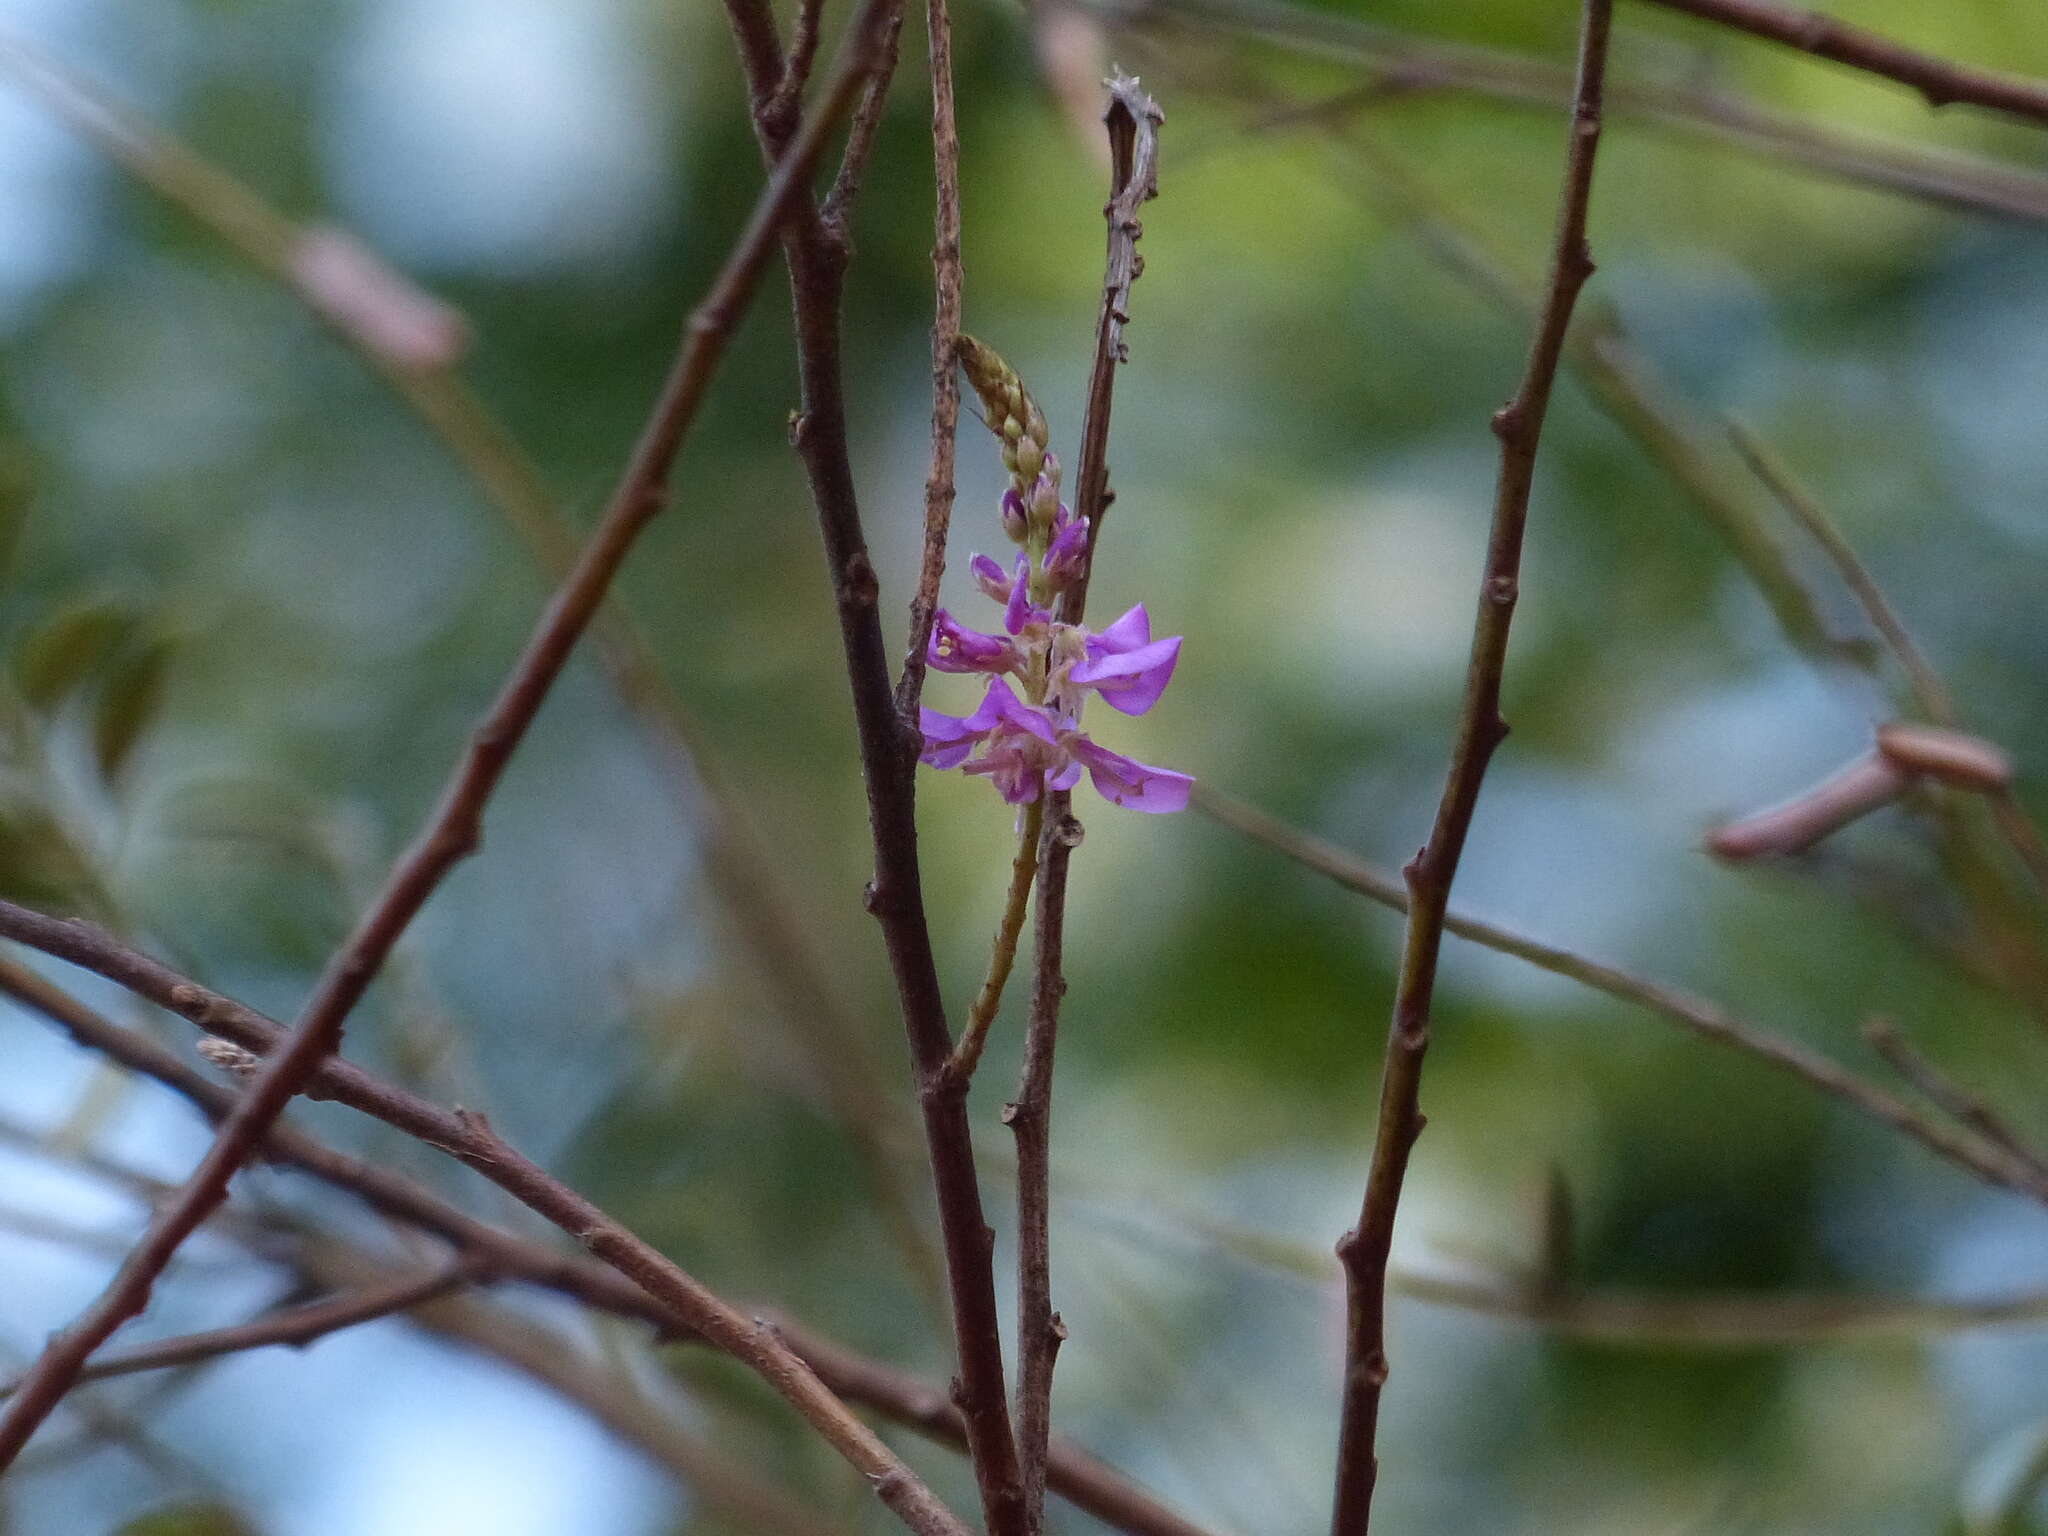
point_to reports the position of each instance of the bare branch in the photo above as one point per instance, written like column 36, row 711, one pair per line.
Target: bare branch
column 836, row 211
column 1941, row 81
column 1405, row 66
column 1519, row 425
column 1075, row 1475
column 1708, row 1020
column 1133, row 121
column 1956, row 1101
column 298, row 1327
column 453, row 831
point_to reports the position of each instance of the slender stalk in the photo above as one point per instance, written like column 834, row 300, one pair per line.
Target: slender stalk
column 1519, row 426
column 947, row 281
column 1003, row 952
column 1941, row 81
column 1132, row 121
column 454, row 830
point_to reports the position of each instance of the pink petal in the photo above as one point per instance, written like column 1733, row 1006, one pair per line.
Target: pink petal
column 1127, row 782
column 1133, row 680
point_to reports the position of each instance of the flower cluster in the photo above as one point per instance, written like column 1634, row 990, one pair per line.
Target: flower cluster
column 1027, row 739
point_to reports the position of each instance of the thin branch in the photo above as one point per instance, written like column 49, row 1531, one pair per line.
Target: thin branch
column 1040, row 1330
column 816, row 255
column 1941, row 81
column 1405, row 65
column 1519, row 425
column 1706, row 1019
column 1003, row 951
column 1133, row 121
column 298, row 1327
column 455, row 828
column 836, row 210
column 1776, row 475
column 804, row 33
column 947, row 281
column 1956, row 1101
column 1084, row 1481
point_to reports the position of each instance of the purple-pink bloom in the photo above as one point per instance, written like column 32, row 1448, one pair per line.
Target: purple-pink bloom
column 1129, row 783
column 1025, row 751
column 956, row 648
column 1126, row 665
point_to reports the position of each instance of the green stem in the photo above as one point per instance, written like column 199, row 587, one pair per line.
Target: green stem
column 1003, row 955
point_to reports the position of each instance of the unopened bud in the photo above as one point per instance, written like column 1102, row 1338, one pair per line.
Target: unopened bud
column 1016, row 521
column 1967, row 762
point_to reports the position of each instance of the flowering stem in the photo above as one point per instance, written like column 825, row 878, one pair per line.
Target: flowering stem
column 1023, row 870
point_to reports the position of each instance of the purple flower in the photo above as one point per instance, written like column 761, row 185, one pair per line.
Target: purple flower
column 1026, row 750
column 1126, row 665
column 956, row 648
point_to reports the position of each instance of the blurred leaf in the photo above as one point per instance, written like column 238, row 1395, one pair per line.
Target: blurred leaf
column 188, row 1520
column 128, row 705
column 39, row 865
column 67, row 649
column 2004, row 1481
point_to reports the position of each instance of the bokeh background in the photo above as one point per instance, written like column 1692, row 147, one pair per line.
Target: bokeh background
column 253, row 604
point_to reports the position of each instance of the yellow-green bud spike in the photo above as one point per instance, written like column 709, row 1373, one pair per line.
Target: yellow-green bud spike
column 1010, row 411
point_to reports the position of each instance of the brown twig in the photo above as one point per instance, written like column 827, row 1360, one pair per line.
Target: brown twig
column 454, row 830
column 470, row 1139
column 1708, row 1020
column 1040, row 1331
column 1081, row 1479
column 816, row 254
column 947, row 281
column 298, row 1327
column 1956, row 1101
column 835, row 211
column 1941, row 81
column 1404, row 65
column 1519, row 426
